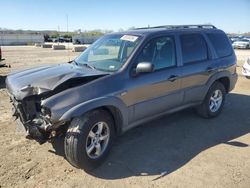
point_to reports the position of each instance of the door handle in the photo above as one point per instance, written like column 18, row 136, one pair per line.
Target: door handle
column 210, row 69
column 172, row 78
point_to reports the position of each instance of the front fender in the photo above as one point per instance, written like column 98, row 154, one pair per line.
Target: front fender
column 84, row 107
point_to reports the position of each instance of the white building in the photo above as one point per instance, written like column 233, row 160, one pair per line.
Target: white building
column 20, row 39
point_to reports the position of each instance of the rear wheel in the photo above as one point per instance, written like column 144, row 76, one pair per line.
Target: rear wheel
column 213, row 102
column 88, row 139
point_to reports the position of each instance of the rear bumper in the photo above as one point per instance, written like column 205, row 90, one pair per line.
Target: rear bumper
column 233, row 80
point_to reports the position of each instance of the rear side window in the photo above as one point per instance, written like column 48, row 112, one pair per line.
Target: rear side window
column 220, row 43
column 194, row 48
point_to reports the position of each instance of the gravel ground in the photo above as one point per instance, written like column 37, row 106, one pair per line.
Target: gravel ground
column 179, row 150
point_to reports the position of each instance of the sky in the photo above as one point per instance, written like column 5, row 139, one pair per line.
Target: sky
column 229, row 15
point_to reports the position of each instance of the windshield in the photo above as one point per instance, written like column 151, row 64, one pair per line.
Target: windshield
column 109, row 53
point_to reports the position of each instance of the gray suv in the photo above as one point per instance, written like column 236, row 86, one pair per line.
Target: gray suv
column 124, row 79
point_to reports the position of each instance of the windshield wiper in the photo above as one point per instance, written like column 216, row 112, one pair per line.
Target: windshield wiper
column 84, row 64
column 75, row 62
column 88, row 65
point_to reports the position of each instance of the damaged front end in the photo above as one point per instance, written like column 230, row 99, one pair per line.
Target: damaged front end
column 28, row 89
column 34, row 119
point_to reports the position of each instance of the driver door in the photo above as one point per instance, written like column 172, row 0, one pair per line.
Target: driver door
column 158, row 91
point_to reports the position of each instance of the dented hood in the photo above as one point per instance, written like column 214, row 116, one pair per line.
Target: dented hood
column 42, row 79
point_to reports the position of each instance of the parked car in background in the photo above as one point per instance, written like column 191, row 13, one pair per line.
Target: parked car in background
column 246, row 68
column 76, row 41
column 67, row 39
column 247, row 38
column 241, row 44
column 233, row 39
column 49, row 40
column 59, row 39
column 124, row 79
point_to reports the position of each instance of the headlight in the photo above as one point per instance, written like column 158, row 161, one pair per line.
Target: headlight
column 46, row 112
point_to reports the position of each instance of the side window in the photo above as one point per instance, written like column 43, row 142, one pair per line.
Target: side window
column 194, row 48
column 160, row 52
column 220, row 43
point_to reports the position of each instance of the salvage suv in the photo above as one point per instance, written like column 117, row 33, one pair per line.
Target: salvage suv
column 124, row 79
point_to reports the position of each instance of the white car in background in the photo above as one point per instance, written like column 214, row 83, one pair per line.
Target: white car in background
column 246, row 68
column 243, row 44
column 247, row 38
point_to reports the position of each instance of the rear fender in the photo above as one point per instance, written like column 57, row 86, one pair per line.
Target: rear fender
column 217, row 76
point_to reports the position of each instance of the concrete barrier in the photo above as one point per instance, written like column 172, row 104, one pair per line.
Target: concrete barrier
column 47, row 46
column 58, row 47
column 38, row 44
column 78, row 48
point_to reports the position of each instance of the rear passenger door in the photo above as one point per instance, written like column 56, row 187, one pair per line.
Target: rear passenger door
column 196, row 68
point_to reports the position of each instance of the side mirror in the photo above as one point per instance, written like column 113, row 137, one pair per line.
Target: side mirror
column 144, row 67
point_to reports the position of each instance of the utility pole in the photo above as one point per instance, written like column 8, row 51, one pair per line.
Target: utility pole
column 67, row 19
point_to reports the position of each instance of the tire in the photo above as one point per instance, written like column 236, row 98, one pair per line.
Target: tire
column 78, row 139
column 248, row 77
column 206, row 109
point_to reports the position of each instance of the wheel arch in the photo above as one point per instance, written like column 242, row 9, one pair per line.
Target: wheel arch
column 116, row 115
column 113, row 105
column 222, row 77
column 225, row 81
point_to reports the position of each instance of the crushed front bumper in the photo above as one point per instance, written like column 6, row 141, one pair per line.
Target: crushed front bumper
column 30, row 128
column 38, row 128
column 31, row 132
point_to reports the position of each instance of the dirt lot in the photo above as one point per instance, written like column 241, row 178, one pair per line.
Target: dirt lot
column 180, row 150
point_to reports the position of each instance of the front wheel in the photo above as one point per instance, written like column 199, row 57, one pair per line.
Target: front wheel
column 88, row 139
column 213, row 102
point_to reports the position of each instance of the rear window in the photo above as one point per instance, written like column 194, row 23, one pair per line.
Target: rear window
column 194, row 48
column 221, row 44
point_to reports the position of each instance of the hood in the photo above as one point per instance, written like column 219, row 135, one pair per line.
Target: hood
column 43, row 79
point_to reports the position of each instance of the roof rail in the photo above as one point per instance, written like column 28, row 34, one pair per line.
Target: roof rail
column 206, row 26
